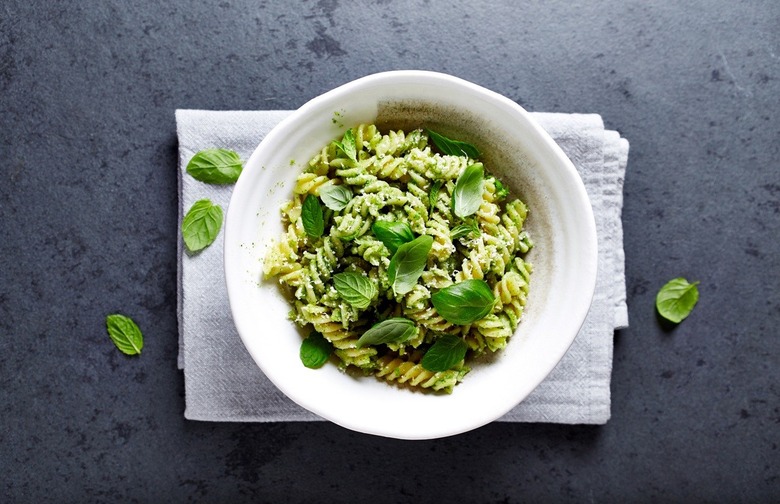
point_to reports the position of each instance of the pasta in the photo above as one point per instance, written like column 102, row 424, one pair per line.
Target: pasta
column 400, row 179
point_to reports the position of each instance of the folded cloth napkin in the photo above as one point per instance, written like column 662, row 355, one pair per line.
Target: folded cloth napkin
column 222, row 382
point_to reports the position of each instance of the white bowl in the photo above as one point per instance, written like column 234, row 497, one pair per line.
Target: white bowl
column 516, row 149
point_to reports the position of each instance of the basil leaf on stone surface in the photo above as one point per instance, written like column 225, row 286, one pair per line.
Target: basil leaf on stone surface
column 215, row 166
column 453, row 147
column 336, row 197
column 125, row 334
column 392, row 330
column 392, row 234
column 355, row 289
column 464, row 302
column 408, row 263
column 201, row 225
column 347, row 145
column 311, row 215
column 470, row 228
column 446, row 352
column 676, row 299
column 315, row 350
column 467, row 195
column 433, row 195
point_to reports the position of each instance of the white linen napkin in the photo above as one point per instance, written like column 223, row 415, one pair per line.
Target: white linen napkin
column 222, row 382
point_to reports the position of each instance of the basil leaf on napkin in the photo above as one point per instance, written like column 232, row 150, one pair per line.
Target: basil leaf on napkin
column 355, row 289
column 392, row 330
column 445, row 353
column 676, row 299
column 125, row 334
column 408, row 263
column 201, row 225
column 215, row 166
column 464, row 302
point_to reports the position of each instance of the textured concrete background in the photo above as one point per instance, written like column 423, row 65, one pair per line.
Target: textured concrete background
column 88, row 227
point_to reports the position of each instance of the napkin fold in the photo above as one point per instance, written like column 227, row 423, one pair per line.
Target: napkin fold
column 222, row 382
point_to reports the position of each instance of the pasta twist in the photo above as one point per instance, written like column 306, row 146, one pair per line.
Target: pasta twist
column 393, row 368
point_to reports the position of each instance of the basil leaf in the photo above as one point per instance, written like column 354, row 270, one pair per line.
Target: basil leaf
column 392, row 330
column 347, row 145
column 201, row 225
column 408, row 263
column 215, row 166
column 392, row 234
column 464, row 302
column 315, row 350
column 453, row 147
column 335, row 197
column 676, row 299
column 467, row 195
column 311, row 215
column 466, row 229
column 501, row 190
column 125, row 334
column 433, row 195
column 355, row 289
column 445, row 353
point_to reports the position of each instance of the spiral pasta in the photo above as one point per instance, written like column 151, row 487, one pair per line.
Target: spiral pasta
column 396, row 179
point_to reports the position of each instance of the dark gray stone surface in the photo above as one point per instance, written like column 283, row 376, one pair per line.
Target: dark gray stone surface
column 88, row 227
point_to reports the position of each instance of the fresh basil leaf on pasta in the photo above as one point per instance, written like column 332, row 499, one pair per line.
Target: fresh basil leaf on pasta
column 215, row 166
column 433, row 195
column 468, row 229
column 311, row 214
column 125, row 334
column 446, row 352
column 453, row 147
column 336, row 197
column 355, row 289
column 315, row 350
column 347, row 145
column 467, row 195
column 501, row 190
column 201, row 225
column 408, row 263
column 676, row 299
column 393, row 234
column 392, row 330
column 464, row 302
